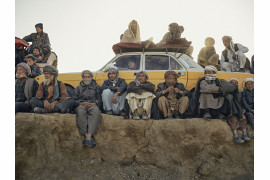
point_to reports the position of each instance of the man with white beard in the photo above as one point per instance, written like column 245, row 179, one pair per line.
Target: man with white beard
column 87, row 96
column 52, row 95
column 25, row 88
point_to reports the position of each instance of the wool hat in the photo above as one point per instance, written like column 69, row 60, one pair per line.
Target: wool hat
column 25, row 66
column 40, row 25
column 51, row 69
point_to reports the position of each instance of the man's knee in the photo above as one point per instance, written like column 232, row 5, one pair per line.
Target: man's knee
column 106, row 93
column 35, row 102
column 225, row 66
column 162, row 99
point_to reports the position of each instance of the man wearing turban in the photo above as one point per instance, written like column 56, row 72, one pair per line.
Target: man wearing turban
column 48, row 57
column 25, row 88
column 233, row 58
column 114, row 93
column 87, row 98
column 140, row 96
column 173, row 98
column 52, row 95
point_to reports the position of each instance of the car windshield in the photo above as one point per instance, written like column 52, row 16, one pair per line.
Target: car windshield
column 157, row 62
column 131, row 62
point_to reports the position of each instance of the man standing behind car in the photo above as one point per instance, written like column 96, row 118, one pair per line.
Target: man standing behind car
column 113, row 93
column 140, row 96
column 87, row 97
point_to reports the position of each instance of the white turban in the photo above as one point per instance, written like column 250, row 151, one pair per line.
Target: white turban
column 249, row 79
column 210, row 68
column 25, row 66
column 233, row 79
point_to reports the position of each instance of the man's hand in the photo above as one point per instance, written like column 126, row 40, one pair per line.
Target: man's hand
column 116, row 88
column 52, row 105
column 46, row 105
column 27, row 103
column 114, row 99
column 90, row 104
column 234, row 56
column 243, row 111
column 178, row 91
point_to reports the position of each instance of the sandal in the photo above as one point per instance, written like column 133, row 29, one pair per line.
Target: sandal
column 91, row 143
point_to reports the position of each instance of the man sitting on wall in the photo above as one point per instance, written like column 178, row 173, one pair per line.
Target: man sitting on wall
column 173, row 98
column 52, row 95
column 140, row 96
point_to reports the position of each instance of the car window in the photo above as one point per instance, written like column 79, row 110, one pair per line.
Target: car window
column 157, row 62
column 131, row 62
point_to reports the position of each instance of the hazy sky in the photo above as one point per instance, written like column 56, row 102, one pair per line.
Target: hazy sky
column 82, row 32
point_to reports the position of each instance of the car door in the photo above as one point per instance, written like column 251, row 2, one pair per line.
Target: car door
column 157, row 64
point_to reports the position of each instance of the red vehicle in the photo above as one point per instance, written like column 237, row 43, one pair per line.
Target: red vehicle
column 20, row 50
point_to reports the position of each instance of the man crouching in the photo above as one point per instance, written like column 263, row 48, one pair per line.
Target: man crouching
column 173, row 98
column 52, row 95
column 140, row 96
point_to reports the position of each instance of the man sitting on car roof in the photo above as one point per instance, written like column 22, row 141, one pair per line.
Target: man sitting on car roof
column 140, row 96
column 113, row 93
column 173, row 98
column 38, row 39
column 233, row 58
column 52, row 95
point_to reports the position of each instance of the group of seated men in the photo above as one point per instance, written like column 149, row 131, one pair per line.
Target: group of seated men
column 39, row 53
column 232, row 58
column 213, row 98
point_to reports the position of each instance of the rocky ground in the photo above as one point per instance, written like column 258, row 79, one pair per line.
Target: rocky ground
column 49, row 146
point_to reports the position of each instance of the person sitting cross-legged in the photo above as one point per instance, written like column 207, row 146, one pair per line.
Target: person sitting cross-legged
column 114, row 93
column 52, row 95
column 88, row 100
column 140, row 96
column 173, row 98
column 25, row 88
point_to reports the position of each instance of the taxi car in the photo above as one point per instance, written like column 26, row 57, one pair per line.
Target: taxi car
column 155, row 63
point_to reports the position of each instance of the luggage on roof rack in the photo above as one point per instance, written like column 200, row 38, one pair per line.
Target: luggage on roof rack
column 178, row 45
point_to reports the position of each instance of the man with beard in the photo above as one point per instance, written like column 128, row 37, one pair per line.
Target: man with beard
column 38, row 39
column 87, row 97
column 36, row 54
column 173, row 98
column 52, row 95
column 140, row 96
column 25, row 88
column 114, row 93
column 233, row 58
column 209, row 96
column 48, row 58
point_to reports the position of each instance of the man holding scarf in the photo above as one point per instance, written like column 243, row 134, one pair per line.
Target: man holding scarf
column 140, row 96
column 48, row 58
column 173, row 98
column 114, row 93
column 233, row 58
column 25, row 88
column 88, row 99
column 52, row 95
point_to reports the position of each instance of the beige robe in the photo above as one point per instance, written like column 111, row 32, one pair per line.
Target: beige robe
column 207, row 100
column 130, row 37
